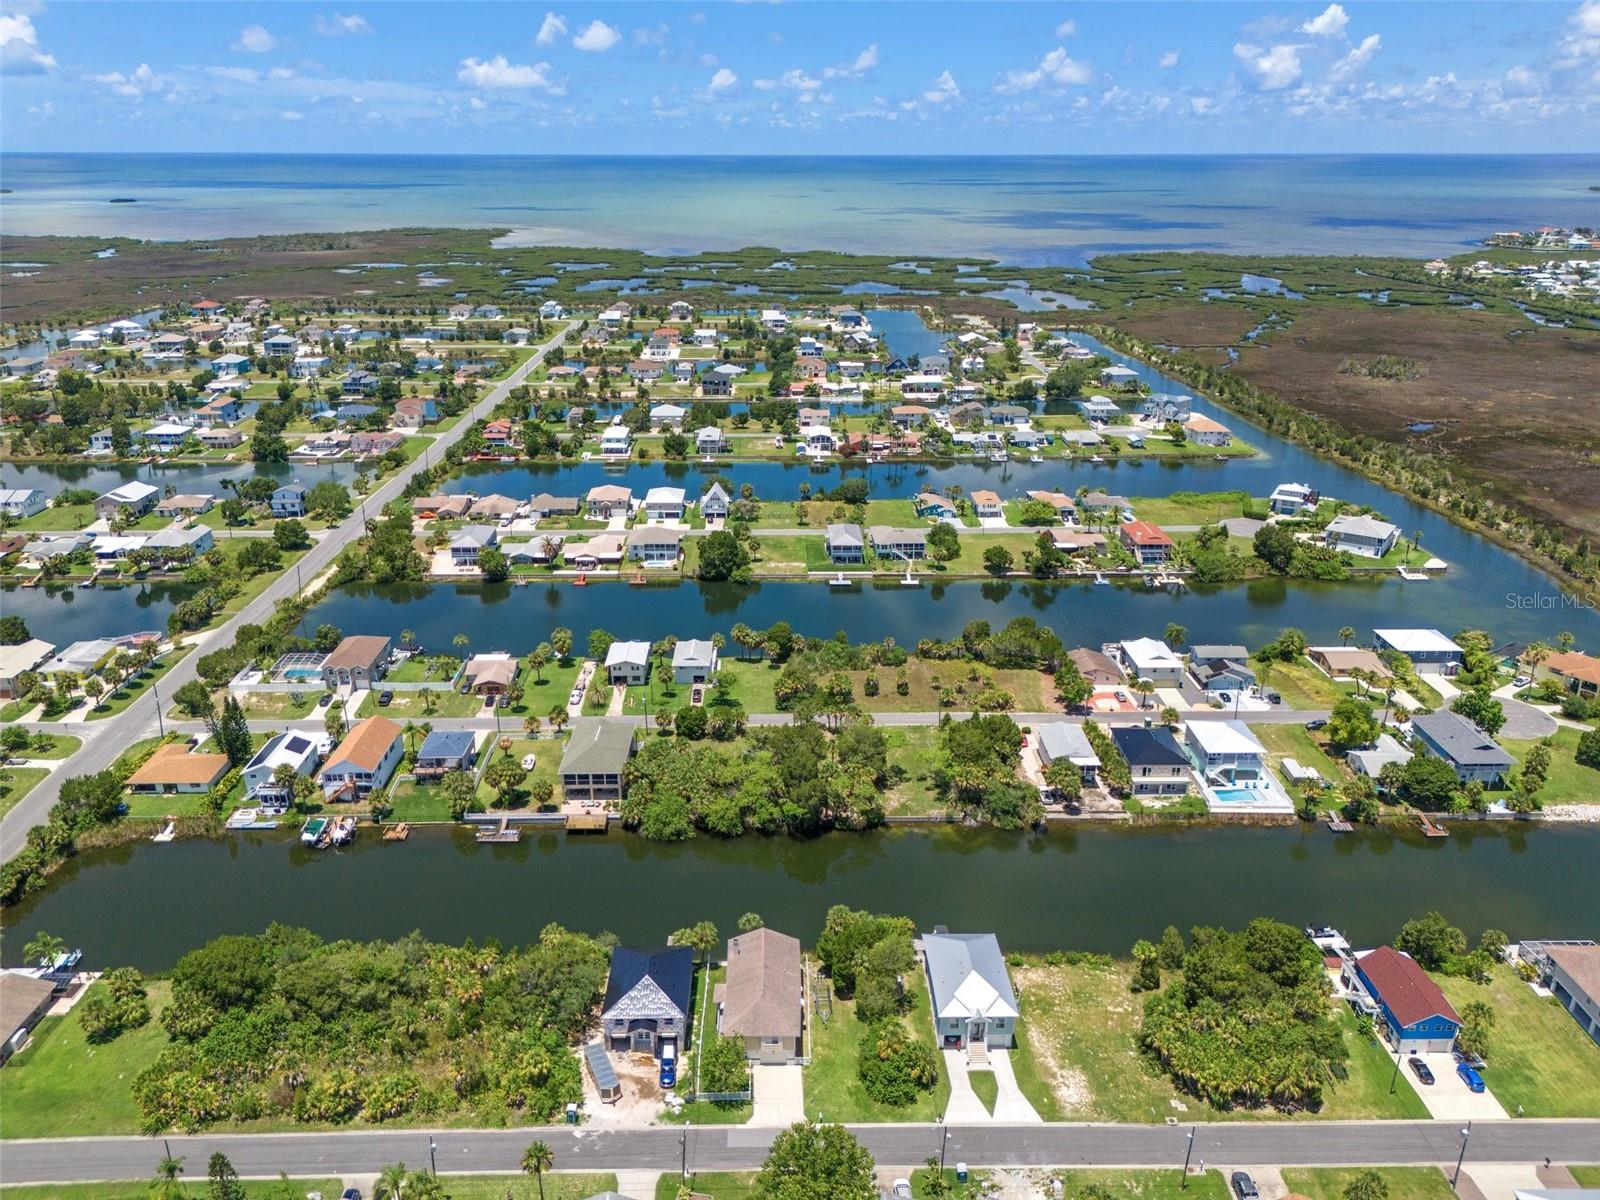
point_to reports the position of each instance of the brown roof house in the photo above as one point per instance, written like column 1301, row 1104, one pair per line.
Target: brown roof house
column 1096, row 667
column 1579, row 672
column 24, row 999
column 363, row 762
column 1413, row 1011
column 172, row 770
column 489, row 674
column 356, row 662
column 1342, row 662
column 762, row 1000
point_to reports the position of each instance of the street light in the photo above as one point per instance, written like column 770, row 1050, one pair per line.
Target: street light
column 1460, row 1158
column 160, row 724
column 683, row 1147
column 944, row 1144
column 1183, row 1184
column 433, row 1163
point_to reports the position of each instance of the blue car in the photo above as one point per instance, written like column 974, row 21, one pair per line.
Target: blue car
column 668, row 1077
column 1470, row 1077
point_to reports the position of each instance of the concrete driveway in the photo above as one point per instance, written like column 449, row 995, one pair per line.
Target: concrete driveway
column 964, row 1108
column 1525, row 721
column 1448, row 1098
column 1011, row 1107
column 780, row 1095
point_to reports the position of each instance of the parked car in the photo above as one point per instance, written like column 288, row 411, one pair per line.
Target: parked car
column 385, row 698
column 325, row 699
column 1316, row 723
column 697, row 695
column 1522, row 681
column 1420, row 1069
column 1470, row 1077
column 1243, row 1186
column 1472, row 1060
column 901, row 1190
column 669, row 1066
column 350, row 1194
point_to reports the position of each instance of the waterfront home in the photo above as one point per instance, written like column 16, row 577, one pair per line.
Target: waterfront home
column 440, row 507
column 445, row 750
column 973, row 1000
column 165, row 436
column 1076, row 541
column 1570, row 970
column 810, row 367
column 21, row 659
column 357, row 662
column 931, row 504
column 1290, row 499
column 906, row 416
column 1118, row 376
column 459, row 312
column 180, row 541
column 134, row 497
column 100, row 442
column 762, row 999
column 1421, row 646
column 1164, row 407
column 851, row 368
column 83, row 658
column 1008, row 414
column 552, row 310
column 309, row 366
column 1058, row 740
column 493, row 507
column 1203, row 431
column 845, row 543
column 109, row 547
column 1578, row 673
column 819, row 439
column 289, row 500
column 185, row 506
column 667, row 416
column 490, row 674
column 1222, row 674
column 1157, row 765
column 644, row 370
column 719, row 380
column 811, row 418
column 615, row 441
column 647, row 1000
column 358, row 383
column 680, row 310
column 1098, row 668
column 1148, row 543
column 517, row 335
column 1415, row 1016
column 706, row 339
column 470, row 541
column 1099, row 408
column 1226, row 751
column 654, row 545
column 1150, row 659
column 714, row 504
column 414, row 412
column 225, row 410
column 987, row 504
column 1371, row 762
column 25, row 999
column 694, row 660
column 1364, row 536
column 1470, row 753
column 20, row 503
column 1099, row 504
column 42, row 549
column 964, row 414
column 602, row 548
column 363, row 762
column 664, row 504
column 366, row 445
column 173, row 770
column 1345, row 662
column 299, row 752
column 1066, row 508
column 708, row 439
column 280, row 345
column 594, row 763
column 926, row 386
column 774, row 320
column 628, row 663
column 889, row 542
column 497, row 434
column 607, row 500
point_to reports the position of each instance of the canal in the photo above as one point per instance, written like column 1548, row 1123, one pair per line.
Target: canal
column 1087, row 887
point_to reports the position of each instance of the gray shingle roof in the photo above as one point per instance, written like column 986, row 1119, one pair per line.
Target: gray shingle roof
column 597, row 747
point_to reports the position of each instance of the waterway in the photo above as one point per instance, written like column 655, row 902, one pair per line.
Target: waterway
column 1092, row 888
column 202, row 478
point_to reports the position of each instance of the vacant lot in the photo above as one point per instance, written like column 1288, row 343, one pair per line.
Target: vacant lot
column 833, row 1088
column 1405, row 1183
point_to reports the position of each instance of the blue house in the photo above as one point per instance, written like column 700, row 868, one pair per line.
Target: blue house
column 289, row 501
column 445, row 750
column 346, row 413
column 1413, row 1011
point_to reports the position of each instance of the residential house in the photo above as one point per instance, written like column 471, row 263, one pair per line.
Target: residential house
column 1571, row 972
column 21, row 659
column 594, row 763
column 440, row 507
column 517, row 335
column 1416, row 1017
column 545, row 505
column 810, row 367
column 907, row 416
column 1099, row 408
column 925, row 386
column 1371, row 762
column 644, row 370
column 718, row 382
column 367, row 445
column 1066, row 508
column 493, row 507
column 762, row 999
column 1578, row 673
column 289, row 500
column 812, row 418
column 1150, row 659
column 1226, row 751
column 491, row 674
column 774, row 320
column 24, row 1001
column 891, row 543
column 135, row 497
column 931, row 504
column 607, row 500
column 1118, row 376
column 1421, row 646
column 714, row 504
column 668, row 416
column 185, row 506
column 42, row 549
column 173, row 770
column 220, row 439
column 680, row 310
column 100, row 442
column 1364, row 536
column 655, row 545
column 628, row 663
column 615, row 441
column 309, row 366
column 1148, row 543
column 364, row 761
column 414, row 412
column 1097, row 668
column 165, row 436
column 664, row 504
column 1157, row 765
column 1076, row 541
column 445, row 750
column 1344, row 662
column 231, row 366
column 987, row 504
column 1470, row 752
column 497, row 434
column 1164, row 407
column 1290, row 499
column 973, row 1000
column 20, row 503
column 708, row 439
column 706, row 339
column 694, row 660
column 1009, row 414
column 648, row 998
column 1058, row 740
column 358, row 661
column 360, row 383
column 177, row 541
column 280, row 345
column 552, row 310
column 845, row 543
column 469, row 541
column 1099, row 504
column 300, row 752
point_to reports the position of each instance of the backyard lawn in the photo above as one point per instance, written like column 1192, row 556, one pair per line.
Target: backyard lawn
column 61, row 1086
column 1540, row 1063
column 1299, row 743
column 1405, row 1183
column 417, row 802
column 1030, row 691
column 752, row 683
column 547, row 752
column 833, row 1088
column 1569, row 782
column 1190, row 508
column 911, row 753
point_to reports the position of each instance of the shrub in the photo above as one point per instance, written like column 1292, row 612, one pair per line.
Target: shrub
column 723, row 1067
column 893, row 1066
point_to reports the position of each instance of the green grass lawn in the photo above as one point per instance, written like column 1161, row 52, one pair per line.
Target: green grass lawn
column 61, row 1086
column 833, row 1089
column 719, row 1185
column 1300, row 684
column 131, row 689
column 281, row 705
column 969, row 559
column 413, row 704
column 1588, row 1177
column 1302, row 745
column 1405, row 1183
column 422, row 668
column 1540, row 1063
column 1030, row 691
column 753, row 682
column 1189, row 508
column 547, row 753
column 61, row 745
column 1569, row 782
column 911, row 754
column 17, row 782
column 194, row 1179
column 1147, row 1185
column 985, row 1086
column 418, row 802
column 788, row 554
column 559, row 1186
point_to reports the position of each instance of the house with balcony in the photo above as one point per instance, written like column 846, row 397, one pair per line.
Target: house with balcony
column 594, row 764
column 1361, row 535
column 1157, row 765
column 973, row 1001
column 1471, row 753
column 363, row 762
column 1149, row 544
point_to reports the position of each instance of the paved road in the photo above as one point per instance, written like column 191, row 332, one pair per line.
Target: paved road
column 138, row 720
column 739, row 1147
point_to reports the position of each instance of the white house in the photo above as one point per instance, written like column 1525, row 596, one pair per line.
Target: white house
column 615, row 441
column 1147, row 658
column 18, row 503
column 300, row 752
column 973, row 1000
column 1364, row 536
column 1288, row 499
column 664, row 504
column 1063, row 740
column 667, row 416
column 289, row 501
column 1419, row 645
column 774, row 320
column 1203, row 431
column 628, row 663
column 1225, row 750
column 694, row 660
column 708, row 439
column 1099, row 408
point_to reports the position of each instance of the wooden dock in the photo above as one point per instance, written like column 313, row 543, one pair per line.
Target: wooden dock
column 504, row 832
column 396, row 833
column 1340, row 825
column 588, row 822
column 1431, row 828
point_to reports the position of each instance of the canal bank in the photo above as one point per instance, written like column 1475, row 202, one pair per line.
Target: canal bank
column 1092, row 888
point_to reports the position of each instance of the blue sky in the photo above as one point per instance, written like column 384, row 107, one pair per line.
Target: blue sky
column 800, row 78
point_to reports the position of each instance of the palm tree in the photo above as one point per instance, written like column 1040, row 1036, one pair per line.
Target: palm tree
column 461, row 641
column 167, row 1185
column 1564, row 640
column 392, row 1183
column 43, row 949
column 427, row 700
column 424, row 1185
column 408, row 638
column 411, row 737
column 1345, row 634
column 536, row 1160
column 558, row 718
column 530, row 726
column 1145, row 688
column 1175, row 635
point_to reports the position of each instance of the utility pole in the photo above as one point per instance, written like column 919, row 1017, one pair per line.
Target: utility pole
column 161, row 726
column 1183, row 1185
column 944, row 1144
column 433, row 1163
column 1460, row 1158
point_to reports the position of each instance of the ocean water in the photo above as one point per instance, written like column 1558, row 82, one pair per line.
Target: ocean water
column 1029, row 211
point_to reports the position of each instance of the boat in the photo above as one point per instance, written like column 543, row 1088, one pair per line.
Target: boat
column 999, row 456
column 86, row 583
column 506, row 832
column 528, row 761
column 315, row 831
column 1036, row 458
column 1099, row 577
column 343, row 832
column 1095, row 458
column 169, row 831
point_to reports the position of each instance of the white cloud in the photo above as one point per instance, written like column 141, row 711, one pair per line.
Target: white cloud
column 722, row 81
column 1169, row 60
column 1067, row 28
column 140, row 83
column 236, row 74
column 1521, row 81
column 551, row 28
column 290, row 114
column 498, row 74
column 1054, row 68
column 596, row 38
column 652, row 37
column 340, row 24
column 944, row 90
column 765, row 85
column 1202, row 105
column 254, row 39
column 1328, row 23
column 860, row 65
column 1582, row 39
column 1358, row 58
column 19, row 47
column 1274, row 68
column 709, row 60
